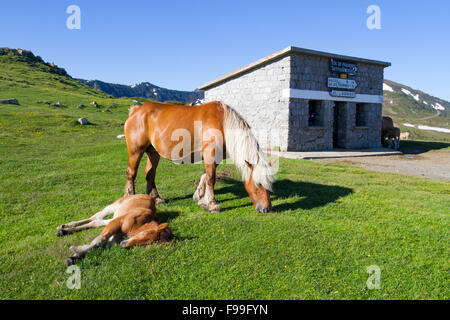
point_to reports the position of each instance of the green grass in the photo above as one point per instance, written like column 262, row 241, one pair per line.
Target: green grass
column 330, row 221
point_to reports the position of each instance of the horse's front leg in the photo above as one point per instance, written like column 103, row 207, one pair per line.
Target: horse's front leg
column 200, row 192
column 81, row 251
column 111, row 233
column 208, row 201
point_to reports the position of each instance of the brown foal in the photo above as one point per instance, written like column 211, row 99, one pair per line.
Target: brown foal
column 134, row 217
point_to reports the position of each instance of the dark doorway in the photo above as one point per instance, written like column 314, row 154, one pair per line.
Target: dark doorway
column 339, row 125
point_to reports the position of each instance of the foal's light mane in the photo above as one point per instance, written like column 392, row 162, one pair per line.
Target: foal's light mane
column 241, row 146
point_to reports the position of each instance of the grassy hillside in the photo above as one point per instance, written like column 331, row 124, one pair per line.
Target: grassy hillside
column 35, row 83
column 416, row 108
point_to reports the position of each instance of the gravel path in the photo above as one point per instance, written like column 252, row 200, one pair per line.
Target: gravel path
column 434, row 164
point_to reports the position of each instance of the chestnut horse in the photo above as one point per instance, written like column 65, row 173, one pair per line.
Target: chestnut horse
column 208, row 132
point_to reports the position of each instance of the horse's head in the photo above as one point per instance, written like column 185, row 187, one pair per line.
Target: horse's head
column 260, row 196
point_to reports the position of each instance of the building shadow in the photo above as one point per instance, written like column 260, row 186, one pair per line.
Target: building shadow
column 311, row 195
column 166, row 216
column 417, row 147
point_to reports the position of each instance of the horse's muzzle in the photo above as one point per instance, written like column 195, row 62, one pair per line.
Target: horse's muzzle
column 261, row 209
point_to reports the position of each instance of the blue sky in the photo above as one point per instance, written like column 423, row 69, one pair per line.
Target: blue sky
column 183, row 44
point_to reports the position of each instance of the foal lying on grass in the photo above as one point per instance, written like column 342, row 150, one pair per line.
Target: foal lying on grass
column 134, row 217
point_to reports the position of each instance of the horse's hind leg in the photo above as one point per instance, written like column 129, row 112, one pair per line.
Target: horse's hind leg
column 150, row 173
column 133, row 164
column 98, row 216
column 92, row 224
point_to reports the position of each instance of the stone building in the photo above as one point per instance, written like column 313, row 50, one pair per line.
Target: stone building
column 314, row 100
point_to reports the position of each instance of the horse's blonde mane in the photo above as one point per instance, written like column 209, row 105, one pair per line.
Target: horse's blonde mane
column 242, row 146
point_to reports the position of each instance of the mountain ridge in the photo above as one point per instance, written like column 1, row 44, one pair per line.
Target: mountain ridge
column 144, row 90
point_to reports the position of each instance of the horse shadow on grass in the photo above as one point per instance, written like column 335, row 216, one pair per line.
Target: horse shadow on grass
column 168, row 216
column 310, row 195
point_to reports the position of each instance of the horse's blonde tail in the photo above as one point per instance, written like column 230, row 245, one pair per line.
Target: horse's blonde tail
column 241, row 146
column 132, row 108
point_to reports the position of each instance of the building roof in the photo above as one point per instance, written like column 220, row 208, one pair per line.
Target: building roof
column 284, row 52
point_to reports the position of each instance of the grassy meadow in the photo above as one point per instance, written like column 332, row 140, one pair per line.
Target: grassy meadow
column 329, row 223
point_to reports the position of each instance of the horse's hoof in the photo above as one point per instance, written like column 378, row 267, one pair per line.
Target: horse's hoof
column 60, row 227
column 61, row 233
column 70, row 261
column 196, row 197
column 159, row 201
column 215, row 208
column 124, row 243
column 73, row 248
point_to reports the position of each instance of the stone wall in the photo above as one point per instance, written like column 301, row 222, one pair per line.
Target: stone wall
column 303, row 137
column 367, row 136
column 311, row 73
column 256, row 95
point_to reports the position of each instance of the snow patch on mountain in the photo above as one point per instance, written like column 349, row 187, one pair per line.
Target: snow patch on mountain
column 437, row 106
column 407, row 92
column 433, row 129
column 387, row 88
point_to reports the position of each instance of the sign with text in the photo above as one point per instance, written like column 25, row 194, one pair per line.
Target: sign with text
column 341, row 66
column 343, row 94
column 341, row 83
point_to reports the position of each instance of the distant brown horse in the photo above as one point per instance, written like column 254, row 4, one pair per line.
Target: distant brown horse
column 208, row 132
column 393, row 135
column 386, row 124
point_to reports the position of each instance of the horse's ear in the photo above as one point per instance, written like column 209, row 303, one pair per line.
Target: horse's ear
column 249, row 165
column 272, row 162
column 162, row 226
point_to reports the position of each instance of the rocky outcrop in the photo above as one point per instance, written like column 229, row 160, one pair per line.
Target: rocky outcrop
column 10, row 101
column 29, row 57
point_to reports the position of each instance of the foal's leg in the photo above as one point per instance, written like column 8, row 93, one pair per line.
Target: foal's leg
column 98, row 216
column 150, row 173
column 142, row 238
column 97, row 242
column 110, row 232
column 110, row 242
column 92, row 224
